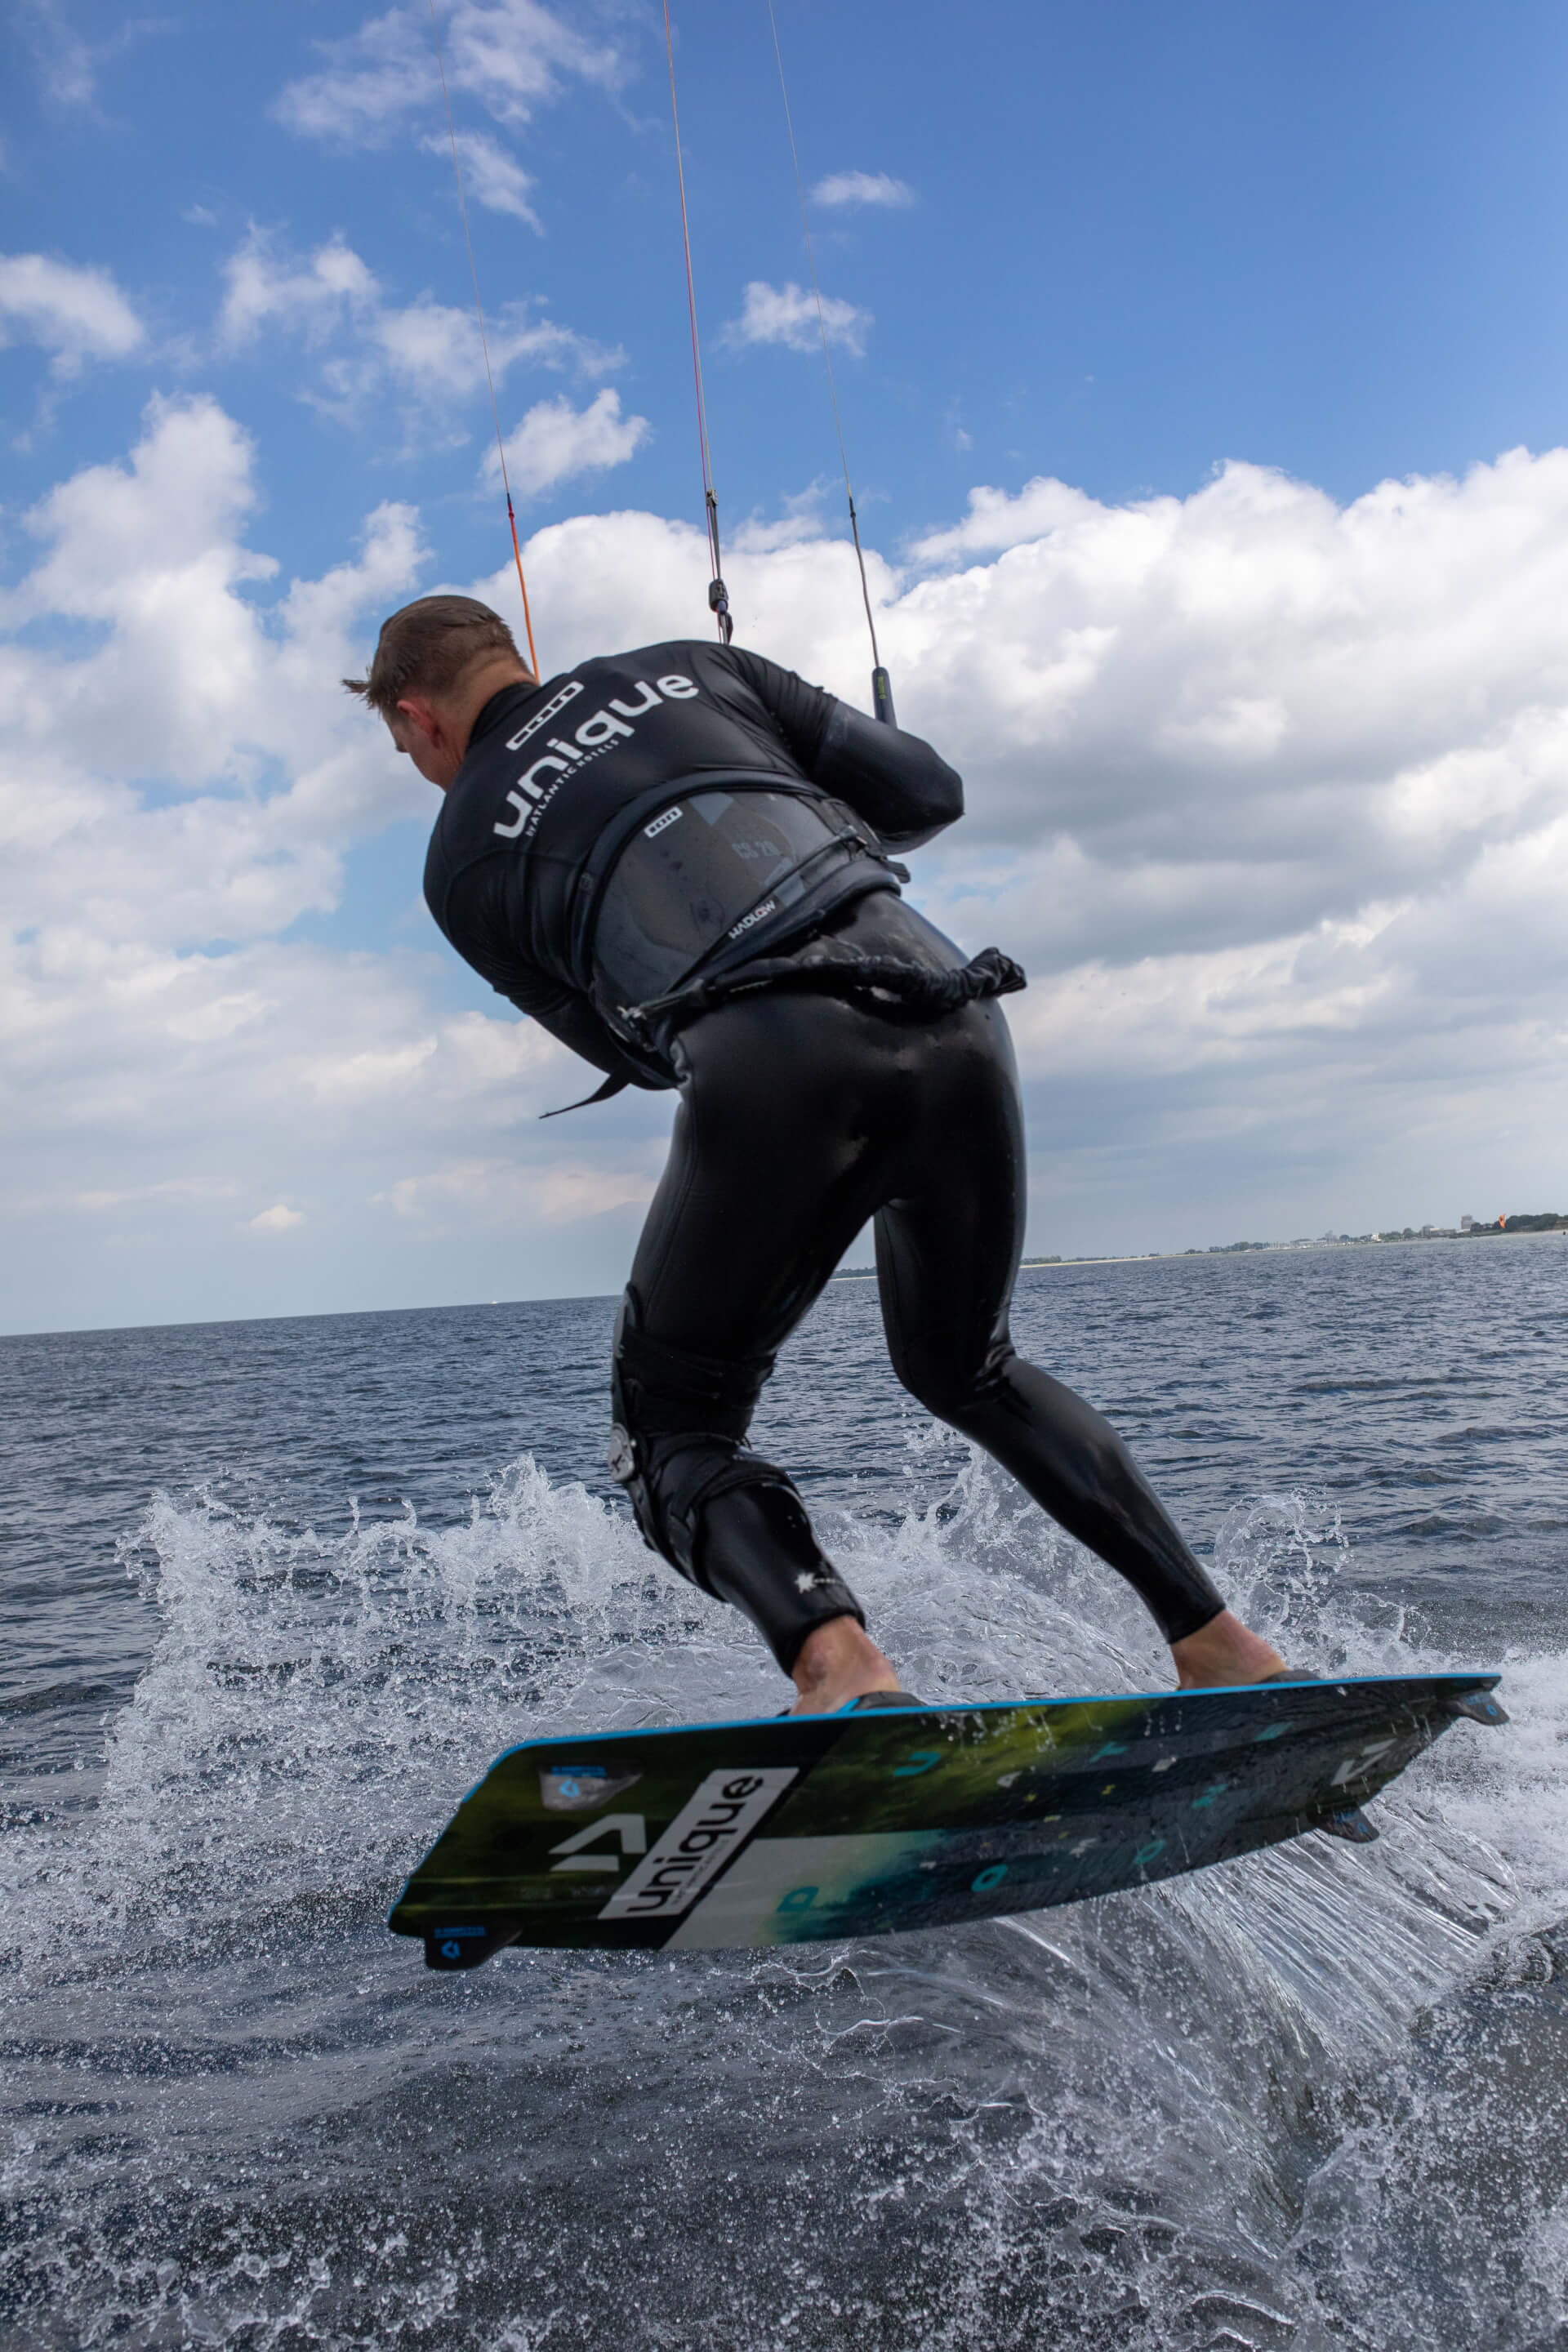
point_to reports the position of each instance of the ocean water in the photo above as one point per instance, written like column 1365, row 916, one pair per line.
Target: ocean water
column 274, row 1595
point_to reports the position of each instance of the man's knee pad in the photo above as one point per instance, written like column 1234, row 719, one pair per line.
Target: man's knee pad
column 673, row 1391
column 678, row 1477
column 680, row 1421
column 734, row 1526
column 730, row 1522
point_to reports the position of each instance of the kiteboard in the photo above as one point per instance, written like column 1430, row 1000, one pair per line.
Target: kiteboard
column 795, row 1829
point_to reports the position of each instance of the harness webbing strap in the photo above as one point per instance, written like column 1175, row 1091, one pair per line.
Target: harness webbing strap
column 616, row 1083
column 990, row 974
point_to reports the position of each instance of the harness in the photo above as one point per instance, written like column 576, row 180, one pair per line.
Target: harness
column 693, row 879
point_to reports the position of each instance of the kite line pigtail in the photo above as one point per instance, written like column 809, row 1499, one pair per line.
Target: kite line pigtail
column 881, row 684
column 718, row 594
column 484, row 340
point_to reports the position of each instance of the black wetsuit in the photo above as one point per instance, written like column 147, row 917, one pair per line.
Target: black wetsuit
column 838, row 1061
column 556, row 870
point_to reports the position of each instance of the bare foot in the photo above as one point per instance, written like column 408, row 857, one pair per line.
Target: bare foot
column 837, row 1663
column 1224, row 1652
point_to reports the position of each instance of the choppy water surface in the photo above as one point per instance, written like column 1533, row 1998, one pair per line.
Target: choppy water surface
column 275, row 1594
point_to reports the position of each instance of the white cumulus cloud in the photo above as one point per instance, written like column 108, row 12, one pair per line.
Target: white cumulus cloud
column 185, row 781
column 74, row 312
column 199, row 741
column 491, row 178
column 841, row 189
column 788, row 315
column 279, row 1219
column 1251, row 682
column 512, row 56
column 1269, row 793
column 68, row 63
column 1250, row 776
column 312, row 293
column 423, row 351
column 498, row 1192
column 555, row 441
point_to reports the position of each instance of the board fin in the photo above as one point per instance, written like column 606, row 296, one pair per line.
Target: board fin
column 1479, row 1706
column 468, row 1945
column 1350, row 1823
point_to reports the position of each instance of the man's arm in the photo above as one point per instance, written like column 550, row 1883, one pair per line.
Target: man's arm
column 572, row 1020
column 471, row 916
column 895, row 781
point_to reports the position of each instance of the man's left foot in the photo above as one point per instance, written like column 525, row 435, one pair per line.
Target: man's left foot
column 838, row 1663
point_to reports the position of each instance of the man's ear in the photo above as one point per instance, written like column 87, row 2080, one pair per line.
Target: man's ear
column 421, row 716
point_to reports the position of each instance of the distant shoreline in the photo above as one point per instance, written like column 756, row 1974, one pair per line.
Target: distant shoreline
column 1251, row 1249
column 844, row 1274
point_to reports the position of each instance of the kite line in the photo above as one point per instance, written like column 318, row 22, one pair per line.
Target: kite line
column 484, row 339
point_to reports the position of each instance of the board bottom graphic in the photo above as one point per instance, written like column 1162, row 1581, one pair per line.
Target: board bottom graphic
column 800, row 1828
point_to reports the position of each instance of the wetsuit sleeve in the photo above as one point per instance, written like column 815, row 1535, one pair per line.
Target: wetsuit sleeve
column 896, row 782
column 572, row 1020
column 472, row 915
column 800, row 712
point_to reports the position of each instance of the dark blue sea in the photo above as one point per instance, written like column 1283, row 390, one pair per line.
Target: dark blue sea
column 274, row 1595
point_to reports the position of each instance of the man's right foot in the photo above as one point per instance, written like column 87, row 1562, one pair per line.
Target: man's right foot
column 1225, row 1655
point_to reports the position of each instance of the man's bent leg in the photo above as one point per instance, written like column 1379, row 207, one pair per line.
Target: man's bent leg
column 1068, row 1457
column 771, row 1174
column 947, row 1254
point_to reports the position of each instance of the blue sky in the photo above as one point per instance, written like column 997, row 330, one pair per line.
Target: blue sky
column 1143, row 237
column 1136, row 308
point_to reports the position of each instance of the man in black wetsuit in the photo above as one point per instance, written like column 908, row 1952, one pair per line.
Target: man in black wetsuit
column 681, row 861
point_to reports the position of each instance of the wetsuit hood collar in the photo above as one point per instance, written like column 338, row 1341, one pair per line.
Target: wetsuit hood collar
column 501, row 706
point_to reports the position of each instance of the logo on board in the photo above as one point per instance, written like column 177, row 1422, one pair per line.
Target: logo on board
column 581, row 1788
column 704, row 1836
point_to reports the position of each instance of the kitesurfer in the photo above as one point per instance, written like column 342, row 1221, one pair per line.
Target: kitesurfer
column 680, row 860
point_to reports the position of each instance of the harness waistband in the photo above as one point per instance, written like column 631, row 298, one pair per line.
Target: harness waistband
column 913, row 986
